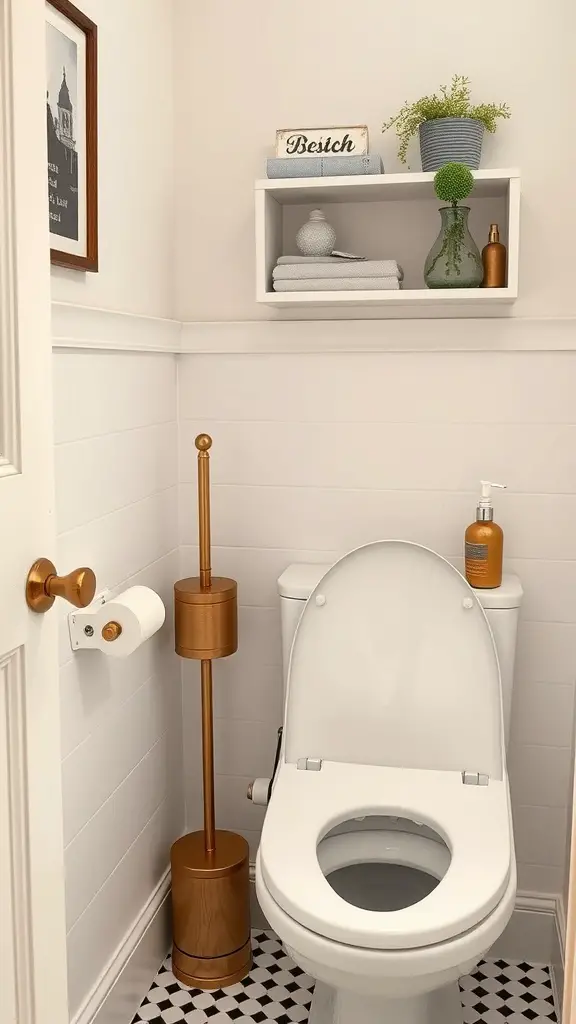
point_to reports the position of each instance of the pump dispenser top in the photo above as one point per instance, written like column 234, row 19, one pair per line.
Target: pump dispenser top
column 484, row 509
column 484, row 543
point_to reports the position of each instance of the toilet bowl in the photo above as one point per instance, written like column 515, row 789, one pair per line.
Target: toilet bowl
column 386, row 864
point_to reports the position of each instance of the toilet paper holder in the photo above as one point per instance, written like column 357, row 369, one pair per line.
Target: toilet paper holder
column 83, row 624
column 117, row 623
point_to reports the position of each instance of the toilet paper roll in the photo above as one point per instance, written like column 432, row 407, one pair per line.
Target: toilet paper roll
column 132, row 617
column 259, row 792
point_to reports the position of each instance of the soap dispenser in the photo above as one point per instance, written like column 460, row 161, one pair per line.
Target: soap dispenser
column 484, row 542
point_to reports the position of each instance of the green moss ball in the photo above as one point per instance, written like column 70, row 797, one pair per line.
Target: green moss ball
column 453, row 182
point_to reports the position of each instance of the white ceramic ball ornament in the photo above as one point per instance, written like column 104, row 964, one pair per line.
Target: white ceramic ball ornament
column 316, row 237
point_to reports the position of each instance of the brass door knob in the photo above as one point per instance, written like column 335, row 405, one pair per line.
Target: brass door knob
column 43, row 586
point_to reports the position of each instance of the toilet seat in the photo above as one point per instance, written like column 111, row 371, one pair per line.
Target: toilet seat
column 383, row 845
column 474, row 821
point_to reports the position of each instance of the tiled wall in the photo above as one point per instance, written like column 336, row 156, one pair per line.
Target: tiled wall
column 116, row 497
column 314, row 454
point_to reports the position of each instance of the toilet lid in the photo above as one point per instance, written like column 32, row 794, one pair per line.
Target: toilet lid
column 394, row 663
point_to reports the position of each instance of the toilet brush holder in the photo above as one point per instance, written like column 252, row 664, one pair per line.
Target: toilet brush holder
column 210, row 868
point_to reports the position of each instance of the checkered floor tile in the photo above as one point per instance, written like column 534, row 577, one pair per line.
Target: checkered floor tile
column 507, row 992
column 499, row 992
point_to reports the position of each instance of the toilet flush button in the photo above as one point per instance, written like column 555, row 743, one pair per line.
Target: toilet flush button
column 468, row 602
column 320, row 600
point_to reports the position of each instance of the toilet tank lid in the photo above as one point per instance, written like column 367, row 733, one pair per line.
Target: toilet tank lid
column 507, row 595
column 299, row 580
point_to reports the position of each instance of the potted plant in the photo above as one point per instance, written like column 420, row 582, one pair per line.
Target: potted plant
column 454, row 260
column 451, row 128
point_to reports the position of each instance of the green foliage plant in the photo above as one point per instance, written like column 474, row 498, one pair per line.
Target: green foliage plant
column 452, row 183
column 453, row 101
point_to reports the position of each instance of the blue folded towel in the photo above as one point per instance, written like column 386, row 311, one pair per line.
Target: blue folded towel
column 323, row 166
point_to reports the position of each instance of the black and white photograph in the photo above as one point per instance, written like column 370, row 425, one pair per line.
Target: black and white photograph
column 62, row 102
column 71, row 135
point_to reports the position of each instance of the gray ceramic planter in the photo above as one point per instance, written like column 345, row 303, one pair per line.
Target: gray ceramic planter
column 447, row 139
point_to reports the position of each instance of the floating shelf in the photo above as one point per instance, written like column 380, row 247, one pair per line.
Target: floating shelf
column 381, row 231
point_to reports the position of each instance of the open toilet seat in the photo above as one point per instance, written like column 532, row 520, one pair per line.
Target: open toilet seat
column 474, row 822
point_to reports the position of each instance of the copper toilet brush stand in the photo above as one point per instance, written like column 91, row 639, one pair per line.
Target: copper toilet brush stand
column 210, row 868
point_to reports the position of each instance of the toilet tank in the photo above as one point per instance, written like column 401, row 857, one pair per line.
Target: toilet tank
column 502, row 607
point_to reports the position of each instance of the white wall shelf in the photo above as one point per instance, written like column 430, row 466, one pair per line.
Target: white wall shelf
column 402, row 223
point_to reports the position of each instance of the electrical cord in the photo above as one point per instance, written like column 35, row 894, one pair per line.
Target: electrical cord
column 276, row 761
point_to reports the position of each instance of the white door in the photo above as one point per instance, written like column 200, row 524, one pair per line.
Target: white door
column 32, row 921
column 569, row 1011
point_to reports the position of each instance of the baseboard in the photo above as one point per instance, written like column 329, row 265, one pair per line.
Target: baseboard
column 558, row 956
column 127, row 977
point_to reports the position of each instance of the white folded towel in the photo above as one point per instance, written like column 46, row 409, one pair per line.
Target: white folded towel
column 367, row 268
column 338, row 284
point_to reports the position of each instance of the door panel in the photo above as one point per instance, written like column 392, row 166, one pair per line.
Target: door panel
column 32, row 928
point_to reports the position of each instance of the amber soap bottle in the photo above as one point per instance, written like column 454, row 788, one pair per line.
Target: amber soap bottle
column 494, row 260
column 484, row 544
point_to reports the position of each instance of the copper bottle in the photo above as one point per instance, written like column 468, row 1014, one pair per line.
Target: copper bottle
column 494, row 260
column 484, row 543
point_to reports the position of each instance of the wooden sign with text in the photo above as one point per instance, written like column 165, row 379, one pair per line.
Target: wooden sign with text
column 348, row 141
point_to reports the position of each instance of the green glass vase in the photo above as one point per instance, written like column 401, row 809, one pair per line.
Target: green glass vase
column 454, row 260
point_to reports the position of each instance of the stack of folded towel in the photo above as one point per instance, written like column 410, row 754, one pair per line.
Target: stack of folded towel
column 334, row 274
column 322, row 166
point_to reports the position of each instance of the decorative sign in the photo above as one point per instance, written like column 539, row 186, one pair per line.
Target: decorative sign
column 349, row 141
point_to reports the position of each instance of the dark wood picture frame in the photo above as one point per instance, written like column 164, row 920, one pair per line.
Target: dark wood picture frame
column 89, row 262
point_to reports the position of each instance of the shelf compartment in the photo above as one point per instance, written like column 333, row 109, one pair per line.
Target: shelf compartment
column 282, row 205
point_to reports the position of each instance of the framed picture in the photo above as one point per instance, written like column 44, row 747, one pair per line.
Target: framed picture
column 71, row 113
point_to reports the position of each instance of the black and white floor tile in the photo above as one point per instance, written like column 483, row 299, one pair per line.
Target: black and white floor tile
column 276, row 990
column 508, row 992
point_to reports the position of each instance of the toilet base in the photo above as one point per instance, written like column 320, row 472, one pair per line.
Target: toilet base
column 341, row 1006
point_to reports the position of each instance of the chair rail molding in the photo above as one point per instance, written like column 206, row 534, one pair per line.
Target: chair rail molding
column 85, row 327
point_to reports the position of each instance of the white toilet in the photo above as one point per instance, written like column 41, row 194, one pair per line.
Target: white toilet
column 387, row 864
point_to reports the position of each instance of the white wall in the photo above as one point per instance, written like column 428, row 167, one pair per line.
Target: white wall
column 116, row 496
column 315, row 453
column 244, row 70
column 136, row 162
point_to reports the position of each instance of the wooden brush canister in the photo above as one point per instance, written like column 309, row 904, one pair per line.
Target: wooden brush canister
column 210, row 910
